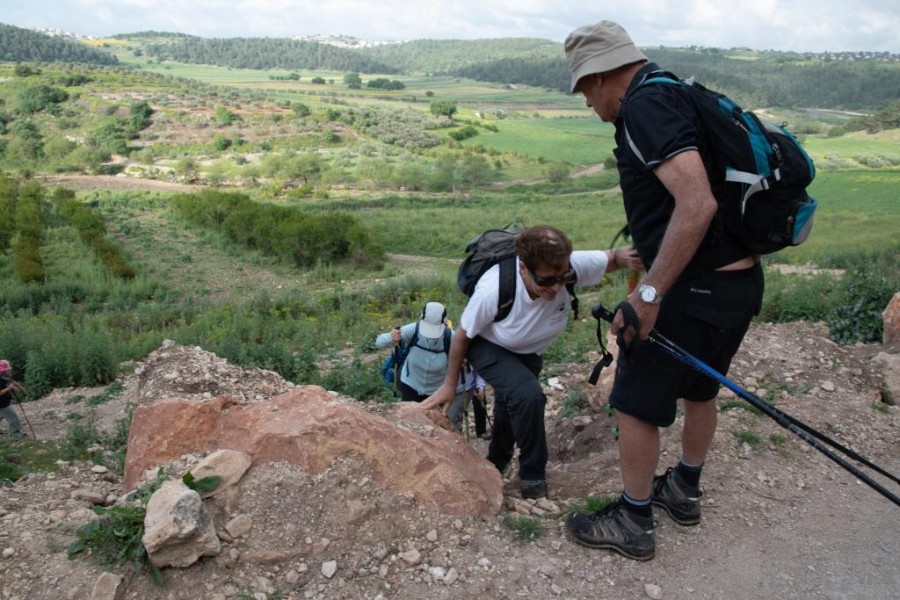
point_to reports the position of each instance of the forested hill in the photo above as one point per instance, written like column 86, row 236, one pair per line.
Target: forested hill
column 860, row 81
column 18, row 44
column 766, row 79
column 770, row 78
column 445, row 56
column 267, row 53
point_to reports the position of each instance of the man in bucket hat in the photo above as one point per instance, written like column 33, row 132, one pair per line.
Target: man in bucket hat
column 699, row 292
column 8, row 387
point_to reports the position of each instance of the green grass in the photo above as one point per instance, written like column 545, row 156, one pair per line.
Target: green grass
column 736, row 404
column 853, row 145
column 579, row 141
column 196, row 287
column 858, row 212
column 525, row 528
column 593, row 504
column 747, row 437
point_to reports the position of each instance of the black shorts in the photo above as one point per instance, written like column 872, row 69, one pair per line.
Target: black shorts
column 707, row 316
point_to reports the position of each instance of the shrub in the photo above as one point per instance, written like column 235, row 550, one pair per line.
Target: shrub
column 92, row 232
column 287, row 233
column 36, row 98
column 862, row 295
column 224, row 116
column 463, row 133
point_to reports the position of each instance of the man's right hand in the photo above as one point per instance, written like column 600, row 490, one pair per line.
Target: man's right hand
column 395, row 335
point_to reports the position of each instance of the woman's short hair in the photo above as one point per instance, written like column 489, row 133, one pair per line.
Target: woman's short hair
column 543, row 245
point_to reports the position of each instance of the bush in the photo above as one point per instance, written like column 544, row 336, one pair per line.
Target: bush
column 92, row 232
column 286, row 233
column 463, row 133
column 36, row 98
column 851, row 305
column 862, row 297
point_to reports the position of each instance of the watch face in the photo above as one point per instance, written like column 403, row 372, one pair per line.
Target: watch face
column 648, row 294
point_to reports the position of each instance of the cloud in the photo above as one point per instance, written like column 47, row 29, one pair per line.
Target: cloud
column 799, row 25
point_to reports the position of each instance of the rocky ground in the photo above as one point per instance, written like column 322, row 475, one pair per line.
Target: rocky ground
column 780, row 520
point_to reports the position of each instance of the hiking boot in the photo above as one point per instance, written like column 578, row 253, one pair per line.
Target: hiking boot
column 614, row 528
column 485, row 436
column 19, row 434
column 536, row 488
column 679, row 499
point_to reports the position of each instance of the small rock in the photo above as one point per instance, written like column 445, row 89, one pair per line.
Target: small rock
column 828, row 386
column 653, row 591
column 106, row 587
column 99, row 469
column 432, row 535
column 547, row 505
column 329, row 568
column 411, row 557
column 239, row 525
column 451, row 577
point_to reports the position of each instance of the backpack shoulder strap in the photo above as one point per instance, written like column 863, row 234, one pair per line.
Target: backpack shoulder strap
column 414, row 340
column 447, row 338
column 507, row 293
column 570, row 287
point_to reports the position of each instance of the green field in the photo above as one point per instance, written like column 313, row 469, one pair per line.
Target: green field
column 579, row 141
column 357, row 153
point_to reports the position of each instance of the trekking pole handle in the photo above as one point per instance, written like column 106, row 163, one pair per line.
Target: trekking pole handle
column 601, row 312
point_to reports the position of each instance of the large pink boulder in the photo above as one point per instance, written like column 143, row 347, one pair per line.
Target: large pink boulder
column 310, row 428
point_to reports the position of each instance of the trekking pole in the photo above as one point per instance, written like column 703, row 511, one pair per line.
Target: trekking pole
column 21, row 388
column 801, row 430
column 396, row 352
column 466, row 416
column 487, row 413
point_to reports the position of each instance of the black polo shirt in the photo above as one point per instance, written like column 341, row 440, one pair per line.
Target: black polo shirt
column 662, row 122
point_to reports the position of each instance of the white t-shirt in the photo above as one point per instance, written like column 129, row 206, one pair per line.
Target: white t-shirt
column 532, row 324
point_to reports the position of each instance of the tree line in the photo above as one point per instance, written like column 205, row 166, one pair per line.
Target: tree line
column 18, row 44
column 767, row 81
column 266, row 53
column 769, row 78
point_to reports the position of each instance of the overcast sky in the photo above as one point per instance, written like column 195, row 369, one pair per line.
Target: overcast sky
column 800, row 25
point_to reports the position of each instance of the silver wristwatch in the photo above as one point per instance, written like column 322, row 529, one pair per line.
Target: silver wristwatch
column 649, row 294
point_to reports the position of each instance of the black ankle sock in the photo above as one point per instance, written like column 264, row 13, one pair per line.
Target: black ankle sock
column 690, row 474
column 638, row 507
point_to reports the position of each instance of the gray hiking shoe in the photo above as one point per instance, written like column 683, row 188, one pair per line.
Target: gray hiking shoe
column 671, row 493
column 614, row 528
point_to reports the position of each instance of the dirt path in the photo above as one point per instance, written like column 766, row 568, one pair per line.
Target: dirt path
column 115, row 182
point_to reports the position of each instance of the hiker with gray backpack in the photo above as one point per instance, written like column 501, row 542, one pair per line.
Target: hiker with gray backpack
column 504, row 340
column 426, row 344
